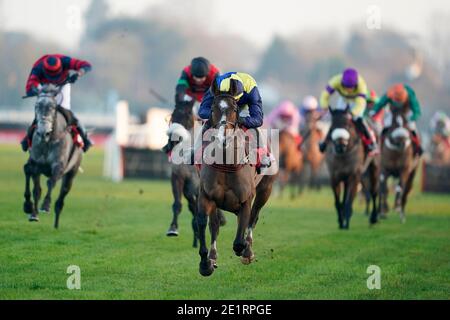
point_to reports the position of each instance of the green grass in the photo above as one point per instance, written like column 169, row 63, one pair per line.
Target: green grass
column 116, row 234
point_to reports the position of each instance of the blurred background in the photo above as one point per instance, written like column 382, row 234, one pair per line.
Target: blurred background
column 291, row 47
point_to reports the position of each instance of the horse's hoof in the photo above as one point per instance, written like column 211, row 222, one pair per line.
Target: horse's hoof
column 43, row 210
column 239, row 249
column 32, row 218
column 214, row 263
column 28, row 207
column 172, row 233
column 206, row 270
column 247, row 260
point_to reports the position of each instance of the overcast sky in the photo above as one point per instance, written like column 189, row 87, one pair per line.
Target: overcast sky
column 257, row 20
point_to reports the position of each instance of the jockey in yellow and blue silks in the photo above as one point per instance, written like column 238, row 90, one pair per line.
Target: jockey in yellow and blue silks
column 352, row 90
column 248, row 100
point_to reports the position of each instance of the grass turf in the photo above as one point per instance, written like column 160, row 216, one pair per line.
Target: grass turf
column 115, row 233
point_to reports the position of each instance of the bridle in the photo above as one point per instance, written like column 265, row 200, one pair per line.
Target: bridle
column 235, row 110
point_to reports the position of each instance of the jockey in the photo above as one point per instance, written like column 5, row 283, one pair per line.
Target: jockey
column 352, row 90
column 285, row 117
column 440, row 124
column 377, row 120
column 55, row 69
column 249, row 102
column 401, row 96
column 194, row 81
column 309, row 104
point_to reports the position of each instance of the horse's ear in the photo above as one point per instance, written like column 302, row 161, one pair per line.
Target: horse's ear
column 214, row 87
column 233, row 88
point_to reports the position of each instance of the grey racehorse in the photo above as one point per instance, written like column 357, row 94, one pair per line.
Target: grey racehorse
column 53, row 154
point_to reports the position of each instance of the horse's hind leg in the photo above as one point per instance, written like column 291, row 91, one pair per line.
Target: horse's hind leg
column 240, row 243
column 45, row 207
column 36, row 197
column 66, row 185
column 177, row 189
column 206, row 207
column 191, row 193
column 408, row 187
column 27, row 205
column 214, row 226
column 263, row 191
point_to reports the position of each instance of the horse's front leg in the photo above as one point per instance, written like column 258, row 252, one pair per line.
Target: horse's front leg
column 205, row 208
column 177, row 189
column 351, row 187
column 383, row 195
column 27, row 205
column 36, row 197
column 336, row 186
column 240, row 243
column 214, row 226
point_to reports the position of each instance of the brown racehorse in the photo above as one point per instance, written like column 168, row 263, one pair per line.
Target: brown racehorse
column 313, row 158
column 344, row 158
column 370, row 180
column 231, row 187
column 184, row 178
column 397, row 160
column 440, row 150
column 291, row 162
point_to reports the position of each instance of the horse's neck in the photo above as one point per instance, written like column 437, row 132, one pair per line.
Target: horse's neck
column 60, row 124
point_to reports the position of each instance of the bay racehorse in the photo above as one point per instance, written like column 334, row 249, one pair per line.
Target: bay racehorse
column 291, row 162
column 234, row 187
column 344, row 158
column 313, row 158
column 397, row 160
column 53, row 154
column 185, row 179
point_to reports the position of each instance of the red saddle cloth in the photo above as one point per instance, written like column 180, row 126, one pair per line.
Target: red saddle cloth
column 76, row 137
column 232, row 167
column 298, row 139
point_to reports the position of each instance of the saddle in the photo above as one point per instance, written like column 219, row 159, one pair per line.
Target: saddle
column 76, row 137
column 235, row 167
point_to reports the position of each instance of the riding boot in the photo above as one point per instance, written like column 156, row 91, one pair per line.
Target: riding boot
column 263, row 152
column 416, row 143
column 73, row 121
column 323, row 144
column 369, row 143
column 26, row 141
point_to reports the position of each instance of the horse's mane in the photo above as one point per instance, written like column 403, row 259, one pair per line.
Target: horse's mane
column 183, row 115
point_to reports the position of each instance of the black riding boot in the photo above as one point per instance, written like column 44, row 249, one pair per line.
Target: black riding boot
column 72, row 120
column 361, row 127
column 28, row 137
column 416, row 143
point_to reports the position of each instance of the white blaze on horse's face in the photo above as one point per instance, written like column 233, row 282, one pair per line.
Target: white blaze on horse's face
column 223, row 105
column 340, row 134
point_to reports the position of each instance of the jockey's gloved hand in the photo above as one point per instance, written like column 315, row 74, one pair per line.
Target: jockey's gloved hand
column 241, row 121
column 34, row 91
column 74, row 77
